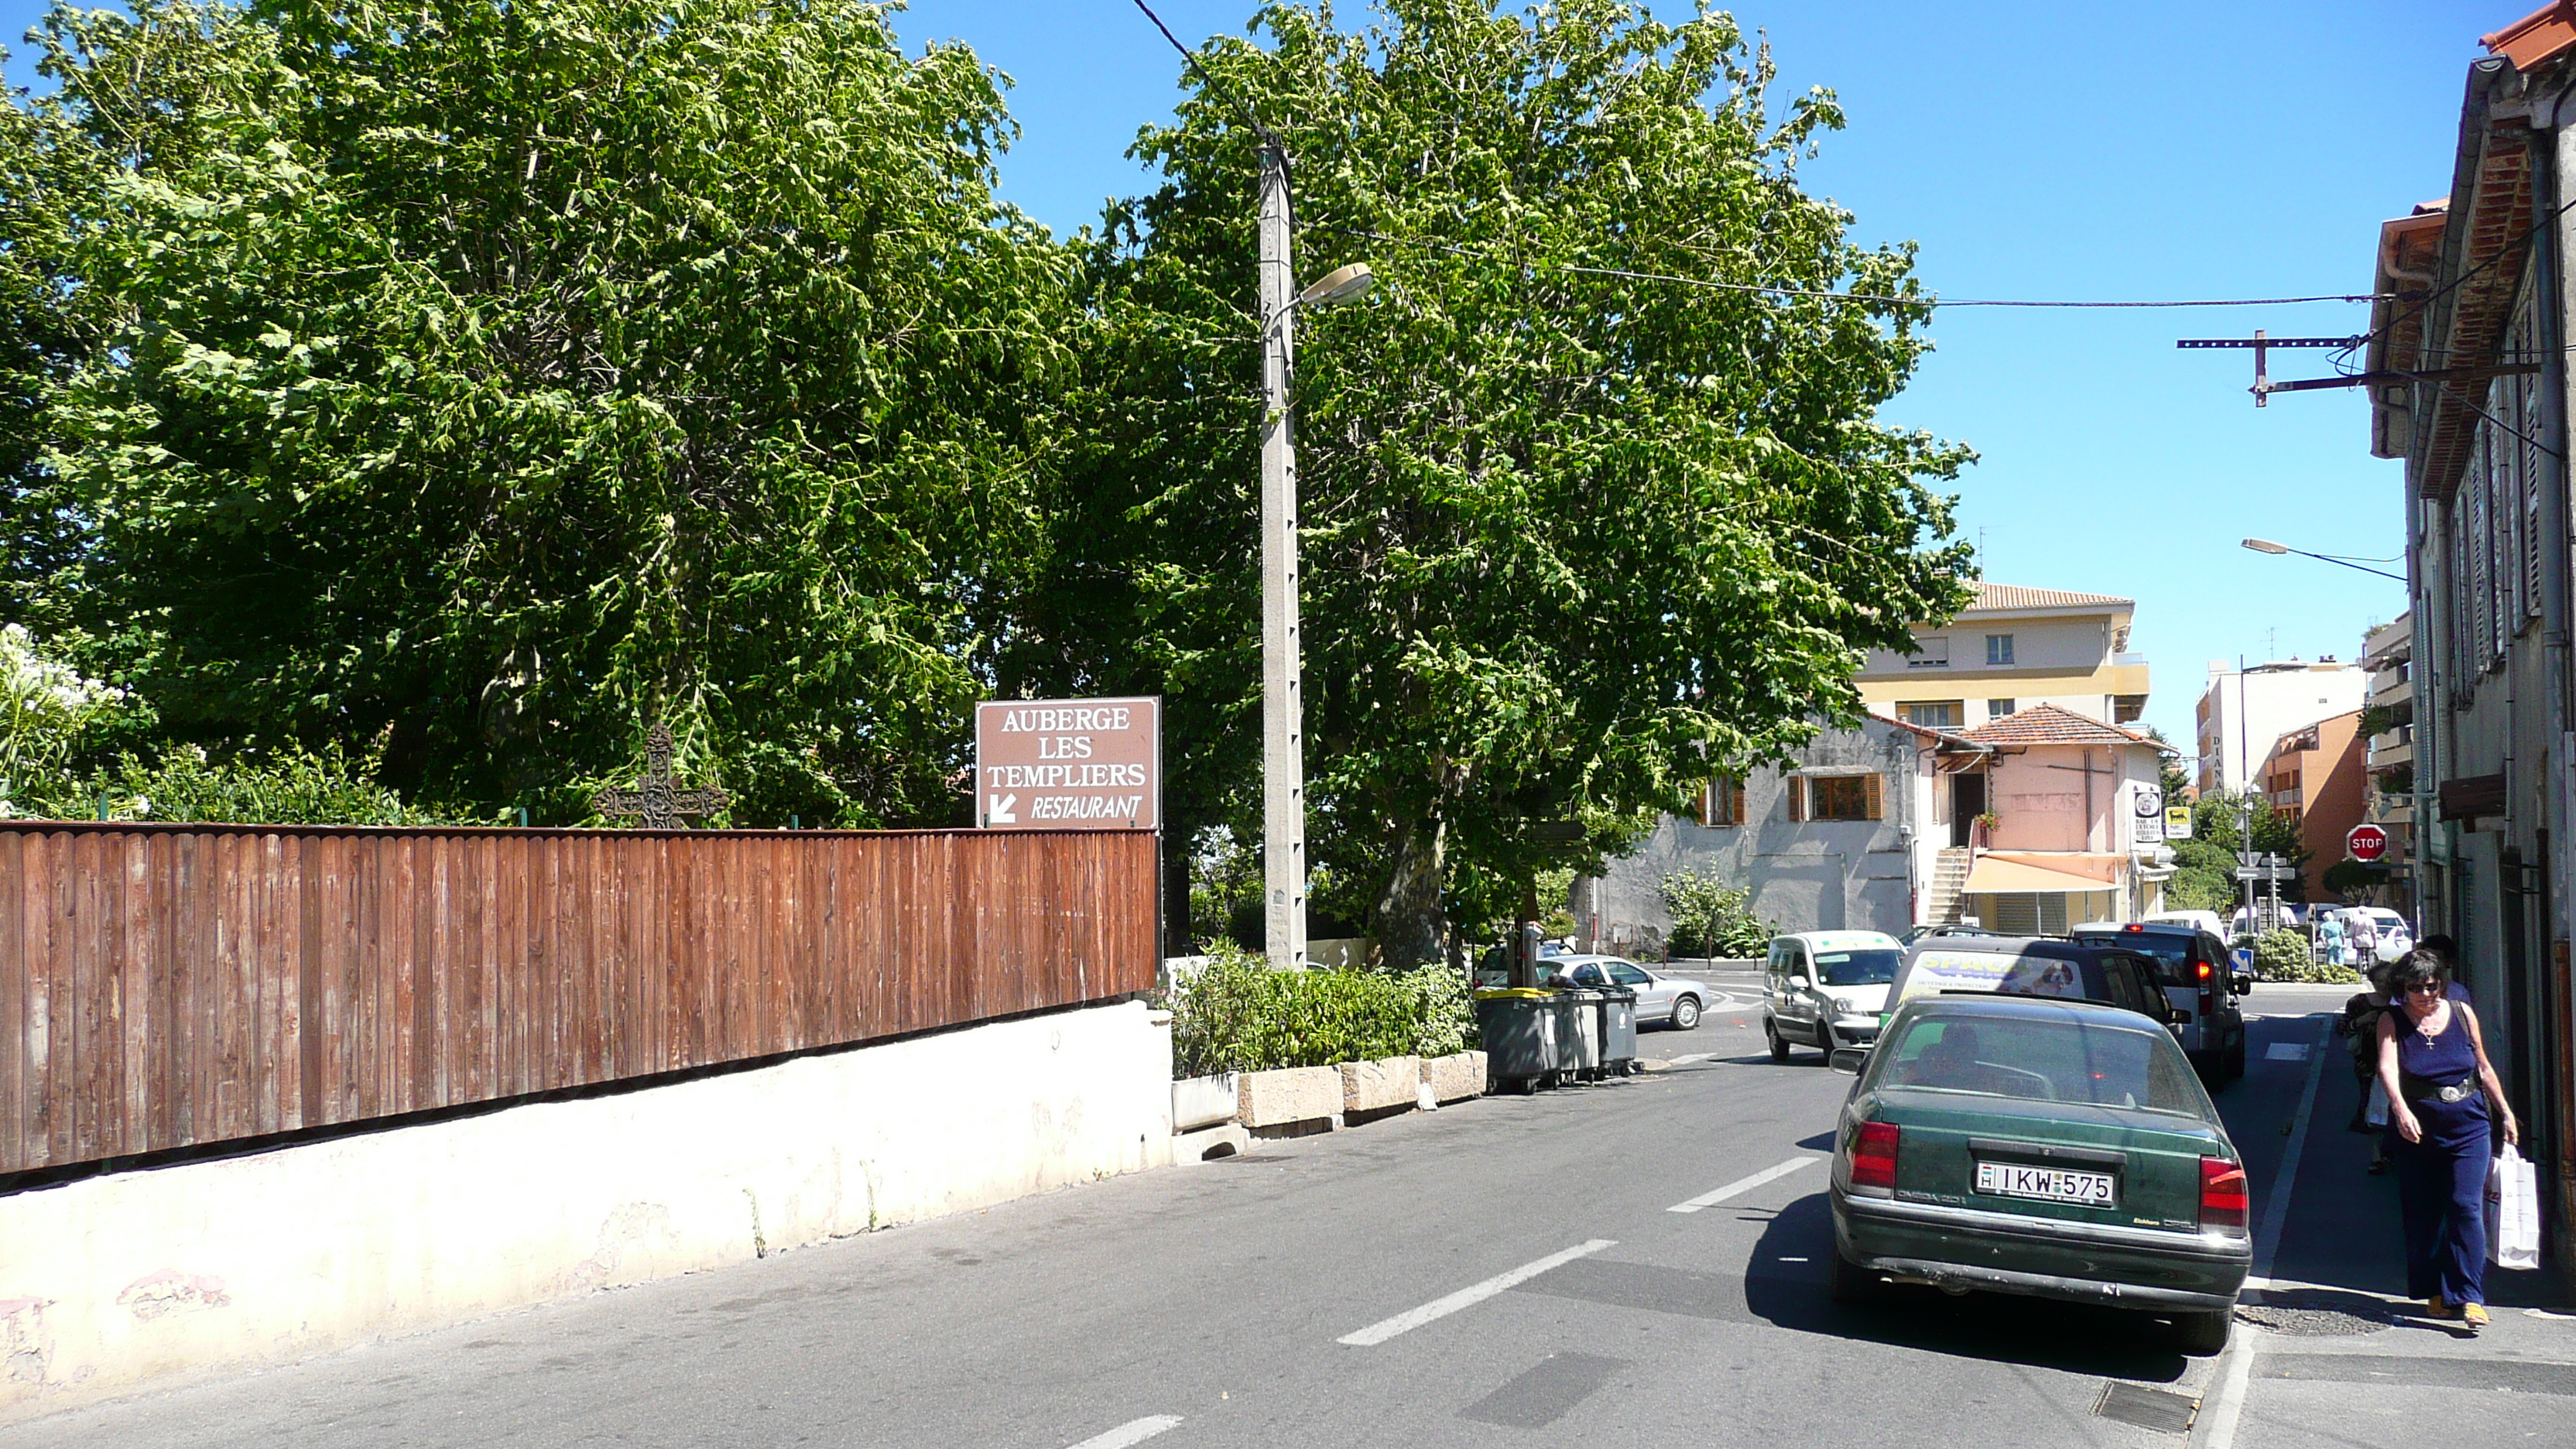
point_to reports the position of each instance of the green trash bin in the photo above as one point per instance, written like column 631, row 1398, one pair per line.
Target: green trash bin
column 1521, row 1030
column 1618, row 1030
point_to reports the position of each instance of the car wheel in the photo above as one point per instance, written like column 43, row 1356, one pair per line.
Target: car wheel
column 1851, row 1284
column 2236, row 1057
column 1825, row 1040
column 1686, row 1013
column 2204, row 1333
column 1779, row 1048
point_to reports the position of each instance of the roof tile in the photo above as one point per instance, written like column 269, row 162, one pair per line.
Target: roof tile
column 2011, row 596
column 2049, row 724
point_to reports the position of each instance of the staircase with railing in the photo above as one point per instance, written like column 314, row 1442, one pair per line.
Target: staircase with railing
column 1949, row 883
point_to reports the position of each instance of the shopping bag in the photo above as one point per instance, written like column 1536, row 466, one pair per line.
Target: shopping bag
column 2376, row 1114
column 2513, row 1212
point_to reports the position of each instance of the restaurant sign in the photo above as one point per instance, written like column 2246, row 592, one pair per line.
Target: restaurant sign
column 1069, row 764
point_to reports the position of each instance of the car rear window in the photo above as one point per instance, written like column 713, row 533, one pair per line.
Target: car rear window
column 2041, row 1061
column 1865, row 967
column 2171, row 954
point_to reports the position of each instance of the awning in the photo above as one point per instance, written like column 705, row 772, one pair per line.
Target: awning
column 2011, row 877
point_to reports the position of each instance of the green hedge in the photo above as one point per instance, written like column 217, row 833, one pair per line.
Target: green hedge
column 1237, row 1015
column 2284, row 956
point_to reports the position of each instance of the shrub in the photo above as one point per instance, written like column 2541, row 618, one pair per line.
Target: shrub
column 1712, row 918
column 1237, row 1015
column 2284, row 956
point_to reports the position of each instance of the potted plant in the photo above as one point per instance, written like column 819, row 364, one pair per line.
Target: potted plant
column 1986, row 829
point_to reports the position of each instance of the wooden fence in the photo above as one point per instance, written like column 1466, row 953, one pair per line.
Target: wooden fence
column 163, row 986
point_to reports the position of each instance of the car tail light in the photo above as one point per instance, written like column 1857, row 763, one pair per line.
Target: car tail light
column 1874, row 1158
column 2222, row 1193
column 2208, row 992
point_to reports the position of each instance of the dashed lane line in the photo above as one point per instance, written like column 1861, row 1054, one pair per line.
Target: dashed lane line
column 1468, row 1297
column 1741, row 1185
column 1135, row 1431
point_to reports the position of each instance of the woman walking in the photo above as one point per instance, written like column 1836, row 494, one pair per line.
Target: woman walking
column 2433, row 1065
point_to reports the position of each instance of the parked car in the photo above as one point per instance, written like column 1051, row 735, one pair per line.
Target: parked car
column 2028, row 966
column 1825, row 989
column 1674, row 1001
column 2391, row 937
column 2197, row 920
column 2053, row 1149
column 1912, row 934
column 1494, row 969
column 2200, row 981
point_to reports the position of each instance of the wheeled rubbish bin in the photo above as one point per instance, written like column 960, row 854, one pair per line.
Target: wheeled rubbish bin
column 1520, row 1029
column 1618, row 1030
column 1580, row 1031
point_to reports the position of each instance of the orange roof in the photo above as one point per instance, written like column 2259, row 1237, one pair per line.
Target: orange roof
column 2009, row 596
column 2049, row 724
column 2536, row 39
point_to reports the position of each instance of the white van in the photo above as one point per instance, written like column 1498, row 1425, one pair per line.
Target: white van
column 2197, row 920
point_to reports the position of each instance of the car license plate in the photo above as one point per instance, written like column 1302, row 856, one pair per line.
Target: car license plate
column 2047, row 1184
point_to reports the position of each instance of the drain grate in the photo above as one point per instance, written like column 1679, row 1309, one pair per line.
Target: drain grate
column 2158, row 1409
column 2314, row 1314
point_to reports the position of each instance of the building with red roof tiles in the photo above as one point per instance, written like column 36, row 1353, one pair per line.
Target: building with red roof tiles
column 2011, row 648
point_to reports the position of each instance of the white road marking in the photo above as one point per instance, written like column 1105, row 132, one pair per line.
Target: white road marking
column 1741, row 1185
column 2285, row 1179
column 2232, row 1380
column 1384, row 1329
column 1136, row 1432
column 2286, row 1051
column 1683, row 1061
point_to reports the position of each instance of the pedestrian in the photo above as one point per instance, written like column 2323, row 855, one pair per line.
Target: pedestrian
column 2433, row 1065
column 2359, row 1027
column 2449, row 951
column 2330, row 935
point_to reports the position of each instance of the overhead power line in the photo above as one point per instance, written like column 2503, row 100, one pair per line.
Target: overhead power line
column 1271, row 138
column 1874, row 298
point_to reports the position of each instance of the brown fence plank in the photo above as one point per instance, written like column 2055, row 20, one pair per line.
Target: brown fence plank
column 165, row 986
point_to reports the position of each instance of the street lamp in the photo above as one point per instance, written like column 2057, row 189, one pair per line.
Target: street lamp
column 2265, row 545
column 1283, row 714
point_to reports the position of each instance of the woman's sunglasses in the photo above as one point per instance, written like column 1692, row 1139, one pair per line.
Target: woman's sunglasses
column 2424, row 988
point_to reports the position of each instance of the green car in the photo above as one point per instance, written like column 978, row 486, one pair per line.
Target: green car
column 2059, row 1149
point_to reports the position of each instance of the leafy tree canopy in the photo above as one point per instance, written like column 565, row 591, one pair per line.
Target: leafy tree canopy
column 507, row 375
column 1573, row 540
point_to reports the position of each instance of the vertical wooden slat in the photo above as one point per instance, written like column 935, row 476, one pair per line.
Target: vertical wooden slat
column 166, row 986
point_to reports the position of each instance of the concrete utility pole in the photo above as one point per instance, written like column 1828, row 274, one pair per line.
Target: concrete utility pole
column 1283, row 711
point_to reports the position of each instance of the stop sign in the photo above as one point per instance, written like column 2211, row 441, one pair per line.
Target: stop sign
column 2366, row 843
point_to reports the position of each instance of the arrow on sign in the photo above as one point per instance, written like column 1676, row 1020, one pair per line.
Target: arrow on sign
column 1003, row 811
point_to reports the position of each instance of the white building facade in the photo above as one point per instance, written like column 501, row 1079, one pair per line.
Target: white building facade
column 2246, row 710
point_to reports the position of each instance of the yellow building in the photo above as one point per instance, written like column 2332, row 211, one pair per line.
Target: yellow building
column 2011, row 649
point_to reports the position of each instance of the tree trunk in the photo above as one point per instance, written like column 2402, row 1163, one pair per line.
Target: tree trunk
column 1409, row 925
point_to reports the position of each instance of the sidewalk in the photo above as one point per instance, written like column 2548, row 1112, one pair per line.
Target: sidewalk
column 2330, row 1353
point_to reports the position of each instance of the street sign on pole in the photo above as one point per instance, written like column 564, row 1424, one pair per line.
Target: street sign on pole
column 1069, row 764
column 2149, row 810
column 2366, row 842
column 2177, row 822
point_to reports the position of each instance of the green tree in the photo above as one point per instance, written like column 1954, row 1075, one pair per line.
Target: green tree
column 2205, row 878
column 503, row 376
column 1574, row 540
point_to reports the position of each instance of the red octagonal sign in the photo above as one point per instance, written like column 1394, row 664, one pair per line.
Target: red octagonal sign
column 2366, row 843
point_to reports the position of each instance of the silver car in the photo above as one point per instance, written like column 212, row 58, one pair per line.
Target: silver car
column 1674, row 1001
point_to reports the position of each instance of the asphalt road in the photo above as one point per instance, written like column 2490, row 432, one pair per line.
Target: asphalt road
column 1508, row 1271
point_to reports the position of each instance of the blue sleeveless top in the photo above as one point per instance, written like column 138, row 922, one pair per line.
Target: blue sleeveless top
column 2441, row 1060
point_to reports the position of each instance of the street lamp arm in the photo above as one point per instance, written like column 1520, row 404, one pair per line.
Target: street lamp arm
column 2265, row 545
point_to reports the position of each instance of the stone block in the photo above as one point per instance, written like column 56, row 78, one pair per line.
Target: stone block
column 1203, row 1101
column 1454, row 1078
column 1290, row 1094
column 1377, row 1086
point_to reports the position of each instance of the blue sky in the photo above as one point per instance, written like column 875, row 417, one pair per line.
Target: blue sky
column 2078, row 151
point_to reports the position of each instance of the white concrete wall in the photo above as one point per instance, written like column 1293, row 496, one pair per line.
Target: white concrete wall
column 145, row 1279
column 2277, row 699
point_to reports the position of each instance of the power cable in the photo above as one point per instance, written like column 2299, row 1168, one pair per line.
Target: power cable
column 1268, row 136
column 1877, row 298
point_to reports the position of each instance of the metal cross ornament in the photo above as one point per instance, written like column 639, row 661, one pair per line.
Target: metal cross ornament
column 656, row 798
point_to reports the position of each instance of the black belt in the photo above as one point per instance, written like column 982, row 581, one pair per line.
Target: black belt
column 2424, row 1089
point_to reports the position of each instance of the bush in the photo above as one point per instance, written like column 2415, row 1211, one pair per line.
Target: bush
column 2284, row 956
column 1712, row 918
column 1237, row 1015
column 286, row 786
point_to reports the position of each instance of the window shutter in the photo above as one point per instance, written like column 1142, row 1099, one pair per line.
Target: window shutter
column 1877, row 799
column 1706, row 812
column 1735, row 801
column 1797, row 797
